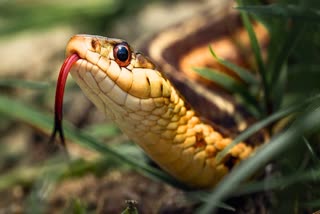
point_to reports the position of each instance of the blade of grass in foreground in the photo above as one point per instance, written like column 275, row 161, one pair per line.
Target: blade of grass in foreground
column 104, row 130
column 313, row 154
column 296, row 17
column 305, row 125
column 45, row 122
column 265, row 122
column 257, row 53
column 26, row 175
column 21, row 111
column 278, row 58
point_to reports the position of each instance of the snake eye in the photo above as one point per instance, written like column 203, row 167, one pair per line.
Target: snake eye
column 122, row 54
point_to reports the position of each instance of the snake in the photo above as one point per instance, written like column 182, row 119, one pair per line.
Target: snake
column 154, row 106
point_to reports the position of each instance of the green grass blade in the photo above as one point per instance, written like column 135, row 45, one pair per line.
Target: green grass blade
column 279, row 86
column 280, row 55
column 105, row 130
column 18, row 83
column 27, row 175
column 45, row 122
column 243, row 73
column 306, row 124
column 285, row 11
column 279, row 182
column 203, row 197
column 231, row 85
column 278, row 61
column 22, row 112
column 78, row 207
column 257, row 53
column 265, row 122
column 313, row 155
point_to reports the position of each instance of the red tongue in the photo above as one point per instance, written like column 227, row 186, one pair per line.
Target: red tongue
column 64, row 71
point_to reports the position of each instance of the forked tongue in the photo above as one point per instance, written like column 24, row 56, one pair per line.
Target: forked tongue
column 64, row 71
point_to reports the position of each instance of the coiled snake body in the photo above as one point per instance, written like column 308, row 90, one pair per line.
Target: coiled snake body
column 141, row 100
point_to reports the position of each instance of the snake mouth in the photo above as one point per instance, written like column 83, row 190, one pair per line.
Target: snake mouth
column 76, row 49
column 58, row 106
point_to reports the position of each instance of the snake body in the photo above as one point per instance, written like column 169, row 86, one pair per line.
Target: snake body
column 128, row 88
column 159, row 107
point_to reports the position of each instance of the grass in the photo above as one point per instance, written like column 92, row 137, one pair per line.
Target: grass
column 306, row 122
column 288, row 82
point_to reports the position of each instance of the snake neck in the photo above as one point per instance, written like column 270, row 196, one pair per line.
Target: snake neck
column 182, row 144
column 170, row 133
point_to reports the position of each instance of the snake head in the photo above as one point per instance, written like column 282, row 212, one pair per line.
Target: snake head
column 114, row 77
column 106, row 63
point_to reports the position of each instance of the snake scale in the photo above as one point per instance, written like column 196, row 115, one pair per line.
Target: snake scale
column 142, row 100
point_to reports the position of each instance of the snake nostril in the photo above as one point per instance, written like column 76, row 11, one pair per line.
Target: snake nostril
column 95, row 44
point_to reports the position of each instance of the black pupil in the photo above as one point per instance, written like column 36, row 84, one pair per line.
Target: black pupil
column 122, row 53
